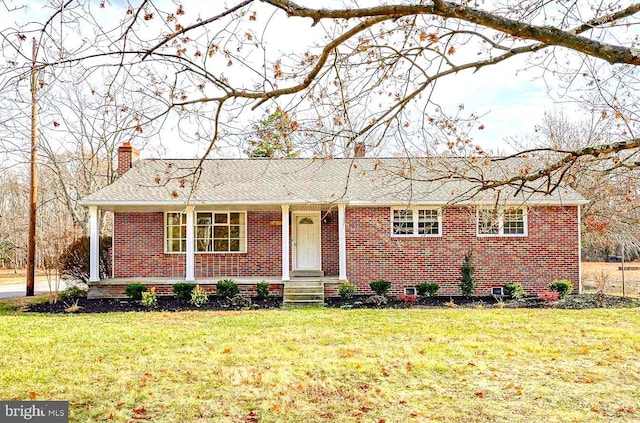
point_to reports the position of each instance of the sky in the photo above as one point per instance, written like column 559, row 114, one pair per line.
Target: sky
column 510, row 99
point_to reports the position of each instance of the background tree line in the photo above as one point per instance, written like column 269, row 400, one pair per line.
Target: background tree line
column 226, row 79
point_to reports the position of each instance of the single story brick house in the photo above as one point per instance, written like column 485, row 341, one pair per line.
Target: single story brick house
column 358, row 219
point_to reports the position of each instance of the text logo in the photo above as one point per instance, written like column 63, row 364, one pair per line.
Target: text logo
column 34, row 411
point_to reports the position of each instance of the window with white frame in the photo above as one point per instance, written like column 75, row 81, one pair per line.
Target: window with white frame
column 176, row 232
column 416, row 221
column 216, row 232
column 204, row 232
column 502, row 221
column 228, row 231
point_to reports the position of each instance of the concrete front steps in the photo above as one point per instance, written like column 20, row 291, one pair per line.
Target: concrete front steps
column 303, row 292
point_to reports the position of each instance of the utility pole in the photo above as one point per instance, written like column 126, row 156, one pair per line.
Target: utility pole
column 33, row 191
column 622, row 268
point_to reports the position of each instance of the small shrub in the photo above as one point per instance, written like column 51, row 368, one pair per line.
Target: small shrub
column 149, row 298
column 73, row 307
column 199, row 296
column 514, row 290
column 346, row 290
column 74, row 261
column 467, row 278
column 451, row 303
column 227, row 288
column 562, row 286
column 380, row 287
column 135, row 290
column 73, row 293
column 549, row 296
column 377, row 300
column 408, row 298
column 262, row 290
column 426, row 289
column 183, row 290
column 241, row 301
column 479, row 305
column 601, row 281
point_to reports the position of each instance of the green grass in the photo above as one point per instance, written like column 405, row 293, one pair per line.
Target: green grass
column 458, row 365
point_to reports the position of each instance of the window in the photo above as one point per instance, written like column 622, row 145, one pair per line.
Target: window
column 204, row 232
column 176, row 224
column 228, row 232
column 410, row 290
column 218, row 232
column 416, row 222
column 502, row 222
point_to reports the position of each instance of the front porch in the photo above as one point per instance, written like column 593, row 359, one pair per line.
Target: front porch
column 293, row 240
column 293, row 290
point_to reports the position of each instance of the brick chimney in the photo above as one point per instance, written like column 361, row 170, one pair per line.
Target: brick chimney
column 127, row 156
column 359, row 149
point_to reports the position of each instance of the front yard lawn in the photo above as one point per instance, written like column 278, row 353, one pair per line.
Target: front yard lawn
column 453, row 365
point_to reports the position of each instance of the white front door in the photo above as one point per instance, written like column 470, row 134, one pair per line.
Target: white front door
column 307, row 250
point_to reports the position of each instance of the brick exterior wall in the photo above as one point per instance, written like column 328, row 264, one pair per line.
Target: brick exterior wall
column 138, row 240
column 138, row 247
column 263, row 256
column 330, row 259
column 550, row 251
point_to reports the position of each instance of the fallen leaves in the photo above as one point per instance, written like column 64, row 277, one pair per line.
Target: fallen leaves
column 252, row 417
column 140, row 413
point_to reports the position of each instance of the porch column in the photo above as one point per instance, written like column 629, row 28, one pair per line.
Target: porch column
column 189, row 274
column 580, row 249
column 342, row 243
column 285, row 242
column 94, row 245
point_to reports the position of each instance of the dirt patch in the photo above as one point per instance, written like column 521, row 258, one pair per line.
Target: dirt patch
column 609, row 275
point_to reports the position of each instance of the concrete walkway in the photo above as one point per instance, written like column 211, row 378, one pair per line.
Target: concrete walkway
column 20, row 289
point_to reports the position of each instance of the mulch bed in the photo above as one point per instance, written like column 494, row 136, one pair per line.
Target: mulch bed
column 584, row 301
column 164, row 304
column 220, row 303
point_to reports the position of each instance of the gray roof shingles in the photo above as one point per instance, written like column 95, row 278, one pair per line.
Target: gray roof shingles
column 360, row 181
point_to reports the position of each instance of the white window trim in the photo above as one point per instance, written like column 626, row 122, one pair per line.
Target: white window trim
column 415, row 290
column 500, row 211
column 415, row 213
column 195, row 224
column 164, row 239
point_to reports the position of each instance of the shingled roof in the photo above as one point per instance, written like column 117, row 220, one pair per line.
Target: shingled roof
column 362, row 181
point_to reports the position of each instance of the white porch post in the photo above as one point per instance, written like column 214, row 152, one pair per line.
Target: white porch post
column 342, row 243
column 580, row 249
column 189, row 274
column 285, row 242
column 94, row 245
